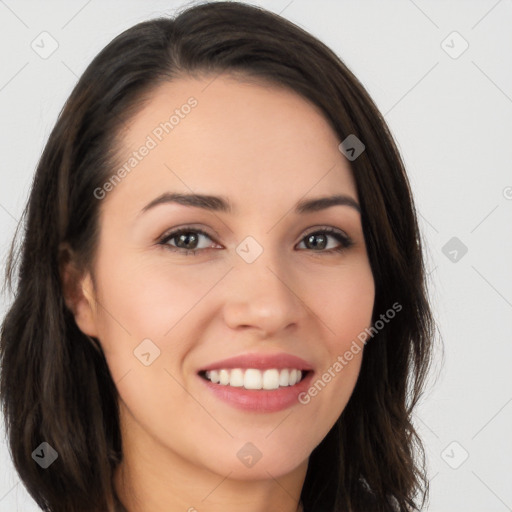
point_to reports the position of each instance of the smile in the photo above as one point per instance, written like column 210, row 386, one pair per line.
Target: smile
column 258, row 398
column 253, row 378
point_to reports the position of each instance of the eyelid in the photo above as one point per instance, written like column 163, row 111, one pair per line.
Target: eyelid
column 328, row 229
column 175, row 232
column 187, row 227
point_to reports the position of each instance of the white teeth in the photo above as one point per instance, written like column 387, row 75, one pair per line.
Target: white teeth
column 237, row 378
column 224, row 377
column 271, row 379
column 253, row 378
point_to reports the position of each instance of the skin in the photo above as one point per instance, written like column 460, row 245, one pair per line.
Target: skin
column 265, row 148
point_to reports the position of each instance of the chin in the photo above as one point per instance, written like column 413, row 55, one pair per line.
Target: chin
column 250, row 463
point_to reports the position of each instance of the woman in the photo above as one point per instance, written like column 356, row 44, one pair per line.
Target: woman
column 221, row 300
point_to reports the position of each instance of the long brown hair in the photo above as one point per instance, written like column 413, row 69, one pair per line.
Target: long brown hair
column 55, row 384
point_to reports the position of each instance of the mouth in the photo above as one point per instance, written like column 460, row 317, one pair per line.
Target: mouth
column 255, row 390
column 254, row 378
column 258, row 382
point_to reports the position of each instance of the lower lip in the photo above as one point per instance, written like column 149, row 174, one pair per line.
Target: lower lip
column 260, row 400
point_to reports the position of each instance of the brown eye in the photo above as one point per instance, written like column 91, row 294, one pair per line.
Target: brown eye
column 185, row 240
column 318, row 241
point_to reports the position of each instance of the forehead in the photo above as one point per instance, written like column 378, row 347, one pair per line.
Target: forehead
column 219, row 135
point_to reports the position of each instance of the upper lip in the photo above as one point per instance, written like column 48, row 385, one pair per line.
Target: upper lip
column 261, row 362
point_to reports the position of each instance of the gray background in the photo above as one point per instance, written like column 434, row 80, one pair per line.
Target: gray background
column 451, row 114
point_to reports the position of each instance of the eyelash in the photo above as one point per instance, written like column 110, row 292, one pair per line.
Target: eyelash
column 344, row 240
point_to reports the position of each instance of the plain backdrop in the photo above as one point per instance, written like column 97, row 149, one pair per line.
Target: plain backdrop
column 440, row 71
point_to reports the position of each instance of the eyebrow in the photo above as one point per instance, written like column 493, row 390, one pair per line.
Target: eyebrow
column 222, row 203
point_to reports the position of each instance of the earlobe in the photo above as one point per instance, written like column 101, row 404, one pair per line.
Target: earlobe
column 85, row 307
column 78, row 292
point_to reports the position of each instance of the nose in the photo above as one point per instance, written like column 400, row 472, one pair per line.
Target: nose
column 263, row 295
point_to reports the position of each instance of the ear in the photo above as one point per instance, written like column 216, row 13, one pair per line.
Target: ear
column 78, row 292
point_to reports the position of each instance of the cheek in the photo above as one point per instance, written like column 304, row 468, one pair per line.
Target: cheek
column 344, row 302
column 148, row 317
column 345, row 306
column 147, row 300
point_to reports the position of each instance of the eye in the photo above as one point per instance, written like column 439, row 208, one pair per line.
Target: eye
column 187, row 240
column 323, row 236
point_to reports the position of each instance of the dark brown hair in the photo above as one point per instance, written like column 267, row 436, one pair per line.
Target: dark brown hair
column 55, row 384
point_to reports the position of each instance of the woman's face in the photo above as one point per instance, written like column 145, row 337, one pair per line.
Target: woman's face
column 265, row 280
